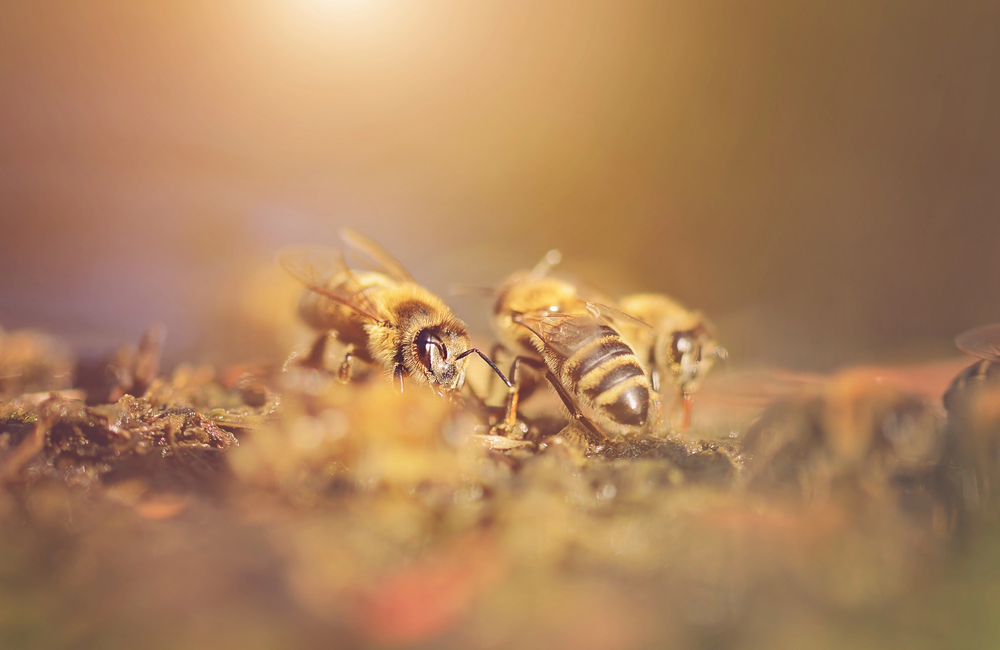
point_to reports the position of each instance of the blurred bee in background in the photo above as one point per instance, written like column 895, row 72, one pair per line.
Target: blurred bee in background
column 851, row 434
column 984, row 343
column 676, row 345
column 973, row 405
column 383, row 317
column 549, row 327
column 33, row 362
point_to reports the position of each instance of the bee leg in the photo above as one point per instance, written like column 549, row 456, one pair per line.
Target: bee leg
column 654, row 378
column 347, row 364
column 654, row 424
column 317, row 352
column 686, row 401
column 509, row 423
column 480, row 401
column 595, row 437
column 313, row 360
column 397, row 377
column 510, row 416
column 679, row 416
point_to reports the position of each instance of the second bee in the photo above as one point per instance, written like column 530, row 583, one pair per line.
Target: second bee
column 550, row 327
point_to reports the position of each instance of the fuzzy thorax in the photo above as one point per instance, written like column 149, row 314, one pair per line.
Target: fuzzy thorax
column 409, row 309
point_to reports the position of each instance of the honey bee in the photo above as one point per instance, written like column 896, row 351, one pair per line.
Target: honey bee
column 550, row 327
column 973, row 404
column 383, row 317
column 847, row 434
column 982, row 342
column 672, row 341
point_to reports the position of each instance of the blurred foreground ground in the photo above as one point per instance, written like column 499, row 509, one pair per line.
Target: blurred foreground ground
column 245, row 508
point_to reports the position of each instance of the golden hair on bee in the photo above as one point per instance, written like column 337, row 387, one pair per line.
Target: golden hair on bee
column 383, row 317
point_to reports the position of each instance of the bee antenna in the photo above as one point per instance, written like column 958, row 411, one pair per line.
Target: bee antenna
column 487, row 360
column 551, row 258
column 469, row 289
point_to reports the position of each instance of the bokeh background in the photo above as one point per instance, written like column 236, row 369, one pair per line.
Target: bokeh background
column 821, row 178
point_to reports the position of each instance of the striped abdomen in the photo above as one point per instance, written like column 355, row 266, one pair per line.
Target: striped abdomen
column 601, row 368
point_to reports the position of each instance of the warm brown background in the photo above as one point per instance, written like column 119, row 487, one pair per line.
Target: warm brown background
column 822, row 177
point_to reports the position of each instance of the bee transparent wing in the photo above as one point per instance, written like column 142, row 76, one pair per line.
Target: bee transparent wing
column 563, row 332
column 471, row 290
column 384, row 262
column 757, row 387
column 316, row 267
column 313, row 266
column 982, row 342
column 611, row 316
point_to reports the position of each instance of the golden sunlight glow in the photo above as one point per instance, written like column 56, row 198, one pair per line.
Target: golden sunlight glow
column 344, row 9
column 351, row 31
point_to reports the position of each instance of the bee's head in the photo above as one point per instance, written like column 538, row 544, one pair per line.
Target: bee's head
column 689, row 354
column 437, row 352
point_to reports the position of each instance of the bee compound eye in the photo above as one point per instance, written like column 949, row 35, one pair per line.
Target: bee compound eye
column 679, row 344
column 424, row 342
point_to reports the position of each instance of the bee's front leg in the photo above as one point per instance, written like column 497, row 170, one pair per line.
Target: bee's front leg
column 508, row 425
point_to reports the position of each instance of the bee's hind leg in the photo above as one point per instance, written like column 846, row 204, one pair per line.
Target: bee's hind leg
column 595, row 437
